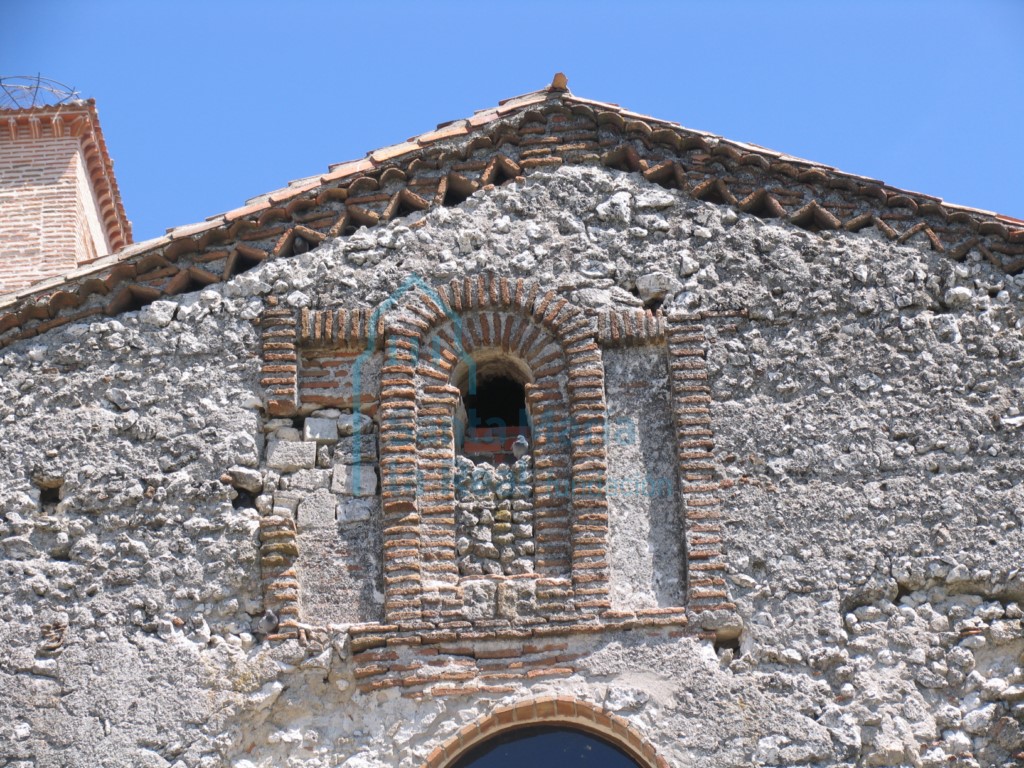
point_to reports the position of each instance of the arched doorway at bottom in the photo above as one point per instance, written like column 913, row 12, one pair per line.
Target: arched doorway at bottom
column 575, row 723
column 545, row 746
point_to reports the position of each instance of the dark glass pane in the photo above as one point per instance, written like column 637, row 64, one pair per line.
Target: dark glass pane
column 545, row 747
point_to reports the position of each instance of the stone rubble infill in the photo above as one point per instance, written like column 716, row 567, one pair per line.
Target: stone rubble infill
column 494, row 517
column 327, row 465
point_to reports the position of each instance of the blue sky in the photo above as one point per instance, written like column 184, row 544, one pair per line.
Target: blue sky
column 206, row 104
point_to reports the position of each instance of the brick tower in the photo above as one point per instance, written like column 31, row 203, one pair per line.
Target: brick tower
column 59, row 203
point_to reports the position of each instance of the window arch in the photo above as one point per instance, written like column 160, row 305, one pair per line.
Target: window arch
column 561, row 713
column 522, row 336
column 492, row 412
column 545, row 746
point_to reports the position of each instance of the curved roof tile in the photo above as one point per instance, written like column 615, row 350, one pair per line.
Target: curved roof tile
column 543, row 129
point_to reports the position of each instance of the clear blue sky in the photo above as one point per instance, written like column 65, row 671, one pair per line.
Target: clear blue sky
column 205, row 104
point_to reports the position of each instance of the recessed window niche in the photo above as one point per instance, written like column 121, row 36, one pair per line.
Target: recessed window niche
column 493, row 467
column 492, row 413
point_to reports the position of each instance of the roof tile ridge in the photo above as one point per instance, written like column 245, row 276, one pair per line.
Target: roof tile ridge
column 457, row 129
column 377, row 157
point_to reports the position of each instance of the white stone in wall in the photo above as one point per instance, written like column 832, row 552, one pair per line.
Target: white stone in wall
column 323, row 431
column 288, row 434
column 355, row 479
column 617, row 209
column 656, row 285
column 354, row 423
column 310, row 479
column 247, row 479
column 286, row 456
column 159, row 313
column 355, row 510
column 318, row 510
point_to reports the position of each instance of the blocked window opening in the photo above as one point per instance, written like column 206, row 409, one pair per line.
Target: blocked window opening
column 546, row 747
column 494, row 420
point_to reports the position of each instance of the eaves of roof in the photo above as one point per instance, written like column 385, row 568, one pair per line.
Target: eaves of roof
column 541, row 130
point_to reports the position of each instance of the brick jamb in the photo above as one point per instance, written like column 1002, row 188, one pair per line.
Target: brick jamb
column 424, row 340
column 699, row 479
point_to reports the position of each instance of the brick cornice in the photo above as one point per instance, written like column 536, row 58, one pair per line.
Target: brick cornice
column 542, row 130
column 80, row 120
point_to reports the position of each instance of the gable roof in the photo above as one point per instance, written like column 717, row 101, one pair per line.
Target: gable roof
column 540, row 130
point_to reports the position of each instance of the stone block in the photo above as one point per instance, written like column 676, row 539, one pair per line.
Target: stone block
column 356, row 510
column 322, row 431
column 354, row 423
column 287, row 501
column 479, row 598
column 318, row 510
column 356, row 449
column 355, row 479
column 246, row 479
column 310, row 479
column 287, row 456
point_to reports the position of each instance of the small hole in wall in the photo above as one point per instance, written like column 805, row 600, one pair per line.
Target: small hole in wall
column 455, row 194
column 243, row 500
column 901, row 592
column 49, row 490
column 729, row 645
column 653, row 304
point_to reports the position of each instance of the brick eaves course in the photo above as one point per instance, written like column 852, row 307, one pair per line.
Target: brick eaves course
column 544, row 129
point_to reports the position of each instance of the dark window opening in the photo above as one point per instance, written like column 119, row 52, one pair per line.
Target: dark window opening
column 495, row 419
column 546, row 747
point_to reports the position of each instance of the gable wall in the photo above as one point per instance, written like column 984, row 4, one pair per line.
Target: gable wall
column 865, row 433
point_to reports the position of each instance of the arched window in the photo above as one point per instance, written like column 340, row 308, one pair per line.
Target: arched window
column 493, row 412
column 546, row 747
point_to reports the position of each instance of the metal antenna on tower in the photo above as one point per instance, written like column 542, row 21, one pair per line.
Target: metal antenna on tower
column 27, row 91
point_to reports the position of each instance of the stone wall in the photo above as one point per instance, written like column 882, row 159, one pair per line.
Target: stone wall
column 858, row 412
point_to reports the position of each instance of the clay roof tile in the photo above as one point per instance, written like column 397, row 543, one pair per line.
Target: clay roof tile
column 470, row 153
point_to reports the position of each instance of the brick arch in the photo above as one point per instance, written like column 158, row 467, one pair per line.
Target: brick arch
column 548, row 710
column 426, row 334
column 510, row 335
